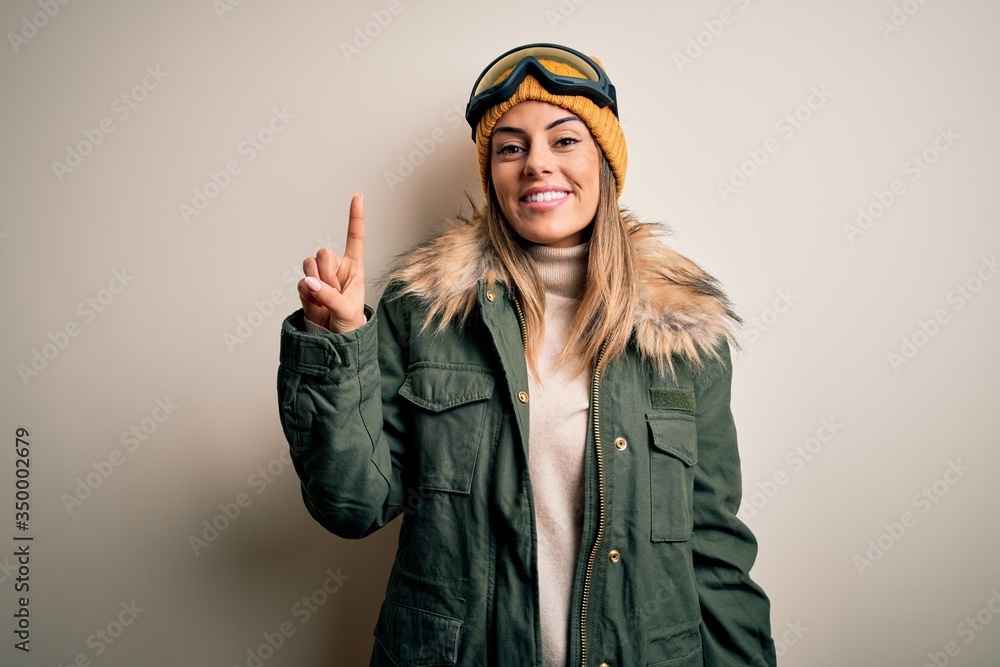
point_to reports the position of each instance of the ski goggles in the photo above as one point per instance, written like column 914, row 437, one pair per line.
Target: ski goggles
column 487, row 93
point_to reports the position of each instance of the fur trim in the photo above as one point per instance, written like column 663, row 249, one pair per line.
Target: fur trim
column 682, row 310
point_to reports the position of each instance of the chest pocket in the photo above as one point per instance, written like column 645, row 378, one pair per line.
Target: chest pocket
column 448, row 422
column 673, row 453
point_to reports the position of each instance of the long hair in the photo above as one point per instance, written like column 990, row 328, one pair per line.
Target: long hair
column 611, row 288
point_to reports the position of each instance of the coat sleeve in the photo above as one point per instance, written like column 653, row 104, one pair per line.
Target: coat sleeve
column 338, row 407
column 735, row 626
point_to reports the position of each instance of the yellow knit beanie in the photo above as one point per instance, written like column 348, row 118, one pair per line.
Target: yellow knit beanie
column 602, row 122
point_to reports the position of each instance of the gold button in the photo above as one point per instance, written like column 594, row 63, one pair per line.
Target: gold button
column 522, row 396
column 604, row 664
column 620, row 444
column 490, row 296
column 614, row 556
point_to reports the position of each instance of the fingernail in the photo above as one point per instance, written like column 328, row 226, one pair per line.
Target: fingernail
column 313, row 284
column 360, row 194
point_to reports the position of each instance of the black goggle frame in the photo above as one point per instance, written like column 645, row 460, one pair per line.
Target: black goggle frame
column 597, row 87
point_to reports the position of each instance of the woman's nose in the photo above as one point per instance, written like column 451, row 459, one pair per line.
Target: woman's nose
column 538, row 161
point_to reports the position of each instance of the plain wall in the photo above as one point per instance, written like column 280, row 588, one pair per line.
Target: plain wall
column 869, row 364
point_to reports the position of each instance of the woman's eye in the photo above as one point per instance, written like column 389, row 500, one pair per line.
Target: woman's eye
column 567, row 141
column 508, row 149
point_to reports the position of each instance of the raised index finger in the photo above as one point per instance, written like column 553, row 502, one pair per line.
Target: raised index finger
column 355, row 248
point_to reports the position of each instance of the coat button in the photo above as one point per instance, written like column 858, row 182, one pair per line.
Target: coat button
column 620, row 444
column 522, row 396
column 614, row 556
column 604, row 664
column 491, row 296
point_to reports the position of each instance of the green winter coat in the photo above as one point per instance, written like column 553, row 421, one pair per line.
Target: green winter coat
column 432, row 424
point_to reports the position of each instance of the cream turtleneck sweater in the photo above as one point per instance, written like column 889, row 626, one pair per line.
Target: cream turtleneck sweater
column 557, row 440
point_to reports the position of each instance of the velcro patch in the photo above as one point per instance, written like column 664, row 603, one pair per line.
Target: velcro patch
column 672, row 399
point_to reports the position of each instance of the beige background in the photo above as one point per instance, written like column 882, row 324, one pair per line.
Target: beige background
column 824, row 307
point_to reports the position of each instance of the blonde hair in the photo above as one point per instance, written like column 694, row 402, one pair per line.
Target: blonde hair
column 611, row 289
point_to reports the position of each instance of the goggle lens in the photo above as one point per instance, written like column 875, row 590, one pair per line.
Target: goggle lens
column 489, row 77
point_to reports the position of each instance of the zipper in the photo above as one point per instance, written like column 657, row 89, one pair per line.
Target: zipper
column 520, row 316
column 595, row 399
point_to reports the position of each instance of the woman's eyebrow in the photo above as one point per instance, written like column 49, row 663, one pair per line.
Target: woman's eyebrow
column 562, row 120
column 518, row 130
column 508, row 128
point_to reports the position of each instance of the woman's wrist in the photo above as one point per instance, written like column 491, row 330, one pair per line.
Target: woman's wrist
column 317, row 328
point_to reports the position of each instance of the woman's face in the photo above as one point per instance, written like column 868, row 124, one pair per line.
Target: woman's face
column 546, row 170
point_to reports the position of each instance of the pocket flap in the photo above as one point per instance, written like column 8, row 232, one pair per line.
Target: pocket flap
column 675, row 434
column 438, row 387
column 416, row 638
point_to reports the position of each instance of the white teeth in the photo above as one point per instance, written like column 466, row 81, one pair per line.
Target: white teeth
column 549, row 195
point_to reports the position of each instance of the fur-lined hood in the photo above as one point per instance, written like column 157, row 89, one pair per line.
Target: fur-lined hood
column 682, row 310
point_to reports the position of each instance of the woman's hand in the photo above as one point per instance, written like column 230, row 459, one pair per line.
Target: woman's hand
column 333, row 291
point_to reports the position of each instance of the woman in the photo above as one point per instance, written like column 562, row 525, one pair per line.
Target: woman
column 543, row 394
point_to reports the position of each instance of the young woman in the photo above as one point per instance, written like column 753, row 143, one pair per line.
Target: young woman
column 543, row 394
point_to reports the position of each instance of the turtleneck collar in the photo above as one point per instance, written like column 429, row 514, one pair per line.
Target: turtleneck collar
column 562, row 270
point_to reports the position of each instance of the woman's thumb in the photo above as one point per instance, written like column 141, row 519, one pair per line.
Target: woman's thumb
column 322, row 294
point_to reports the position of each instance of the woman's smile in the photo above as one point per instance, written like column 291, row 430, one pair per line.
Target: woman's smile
column 544, row 199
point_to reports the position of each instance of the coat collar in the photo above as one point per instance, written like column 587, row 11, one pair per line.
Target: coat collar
column 682, row 310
